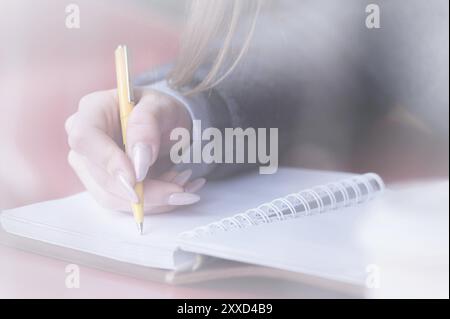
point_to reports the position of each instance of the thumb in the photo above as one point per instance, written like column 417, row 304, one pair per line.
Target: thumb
column 143, row 137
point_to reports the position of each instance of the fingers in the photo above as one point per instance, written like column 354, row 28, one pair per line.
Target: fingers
column 143, row 136
column 103, row 197
column 159, row 196
column 183, row 196
column 195, row 185
column 107, row 172
column 100, row 109
column 158, row 193
column 154, row 116
column 90, row 134
column 100, row 149
column 168, row 176
column 182, row 179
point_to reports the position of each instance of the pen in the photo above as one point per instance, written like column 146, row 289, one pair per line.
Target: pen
column 126, row 104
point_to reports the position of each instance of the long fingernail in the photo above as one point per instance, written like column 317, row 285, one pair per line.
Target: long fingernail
column 142, row 158
column 128, row 188
column 183, row 199
column 183, row 177
column 195, row 185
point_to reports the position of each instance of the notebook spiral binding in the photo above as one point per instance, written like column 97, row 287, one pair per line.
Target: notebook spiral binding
column 348, row 192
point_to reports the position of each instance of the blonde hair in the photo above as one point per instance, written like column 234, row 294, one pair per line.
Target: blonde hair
column 209, row 20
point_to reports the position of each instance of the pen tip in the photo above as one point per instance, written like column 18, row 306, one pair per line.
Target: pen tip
column 141, row 228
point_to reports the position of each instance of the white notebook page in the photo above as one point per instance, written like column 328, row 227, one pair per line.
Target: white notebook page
column 327, row 245
column 78, row 222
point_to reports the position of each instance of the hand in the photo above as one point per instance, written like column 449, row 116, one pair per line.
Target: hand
column 108, row 173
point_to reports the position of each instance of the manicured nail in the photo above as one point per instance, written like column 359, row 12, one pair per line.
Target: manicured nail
column 128, row 188
column 182, row 177
column 195, row 185
column 183, row 199
column 142, row 158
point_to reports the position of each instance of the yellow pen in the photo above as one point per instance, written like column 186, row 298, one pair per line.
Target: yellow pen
column 126, row 104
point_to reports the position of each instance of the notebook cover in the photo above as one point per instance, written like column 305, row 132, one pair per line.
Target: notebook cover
column 211, row 269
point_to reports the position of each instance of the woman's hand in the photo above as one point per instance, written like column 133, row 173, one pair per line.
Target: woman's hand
column 108, row 173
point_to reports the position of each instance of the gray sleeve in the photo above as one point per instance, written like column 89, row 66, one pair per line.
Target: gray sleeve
column 221, row 108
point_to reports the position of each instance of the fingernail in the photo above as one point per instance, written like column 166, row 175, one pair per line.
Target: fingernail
column 183, row 177
column 195, row 185
column 128, row 188
column 183, row 199
column 142, row 158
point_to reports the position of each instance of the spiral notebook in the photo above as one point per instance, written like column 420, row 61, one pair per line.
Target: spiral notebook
column 308, row 223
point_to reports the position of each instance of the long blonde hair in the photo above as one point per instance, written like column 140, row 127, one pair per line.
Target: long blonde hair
column 208, row 21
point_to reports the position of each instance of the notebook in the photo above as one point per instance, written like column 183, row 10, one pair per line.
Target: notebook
column 297, row 220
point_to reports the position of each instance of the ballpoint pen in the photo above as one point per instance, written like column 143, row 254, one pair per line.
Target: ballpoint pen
column 126, row 104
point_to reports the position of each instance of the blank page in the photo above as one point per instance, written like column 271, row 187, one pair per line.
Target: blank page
column 325, row 245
